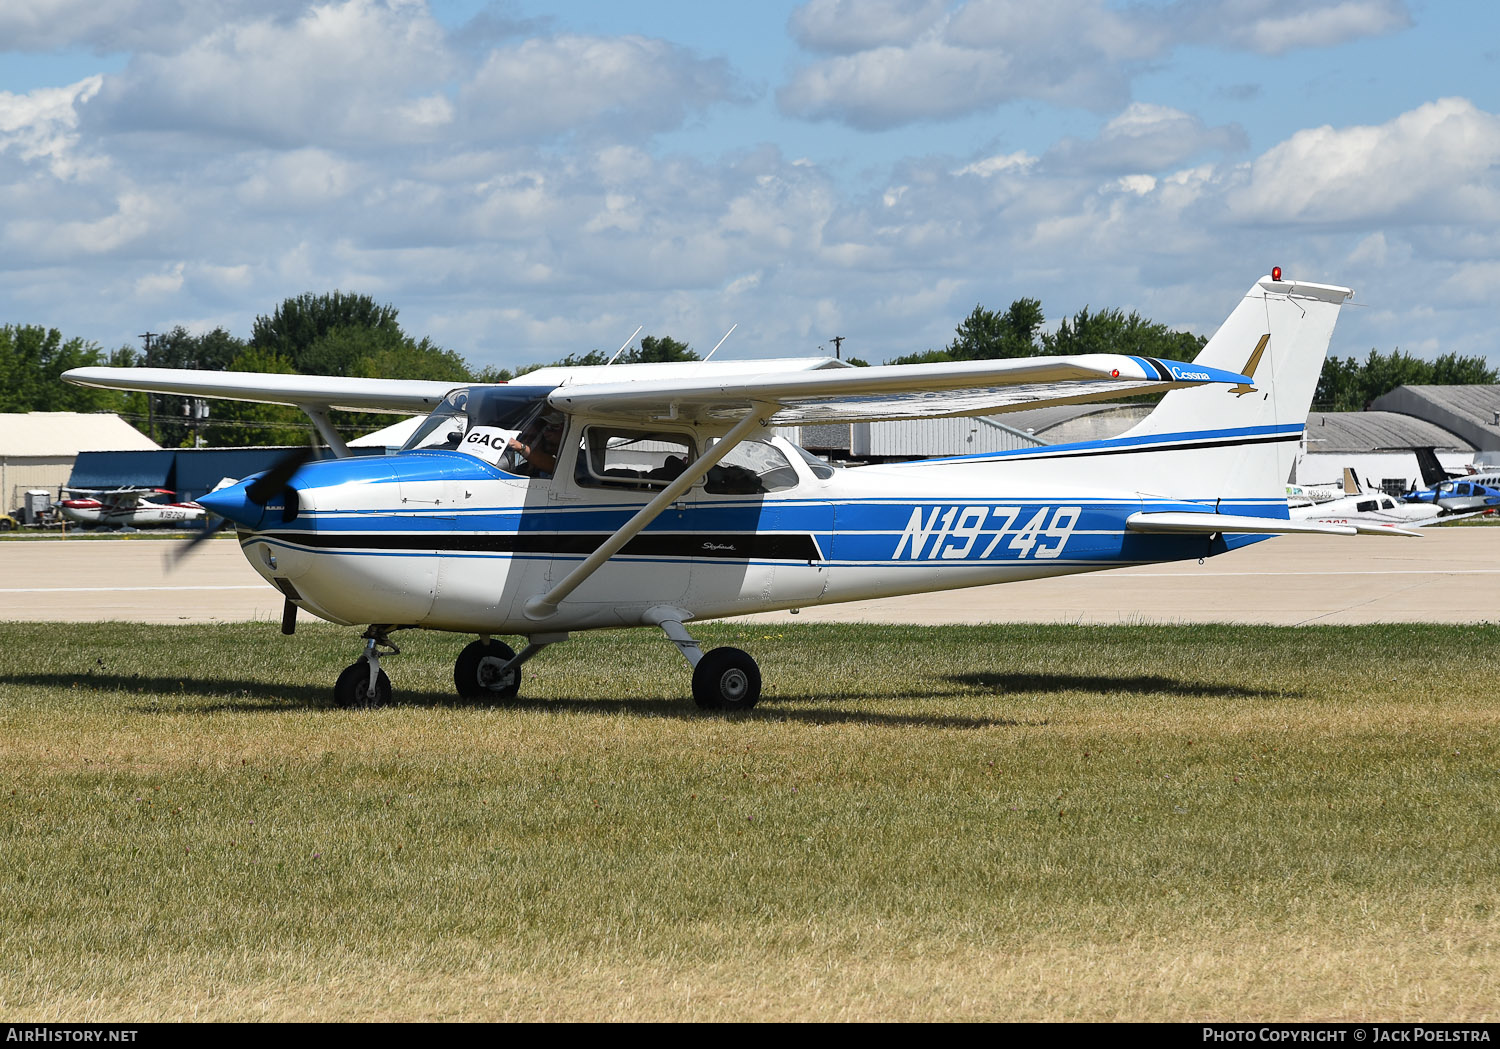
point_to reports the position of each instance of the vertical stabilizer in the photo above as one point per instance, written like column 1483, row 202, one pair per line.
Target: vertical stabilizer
column 1237, row 444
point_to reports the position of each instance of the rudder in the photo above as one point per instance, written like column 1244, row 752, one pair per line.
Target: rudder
column 1239, row 442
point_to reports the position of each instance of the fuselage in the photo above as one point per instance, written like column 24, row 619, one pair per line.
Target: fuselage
column 460, row 538
column 1456, row 496
column 1373, row 508
column 141, row 514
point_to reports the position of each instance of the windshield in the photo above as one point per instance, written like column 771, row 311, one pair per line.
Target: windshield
column 471, row 407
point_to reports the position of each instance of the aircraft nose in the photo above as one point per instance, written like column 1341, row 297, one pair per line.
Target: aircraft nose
column 234, row 504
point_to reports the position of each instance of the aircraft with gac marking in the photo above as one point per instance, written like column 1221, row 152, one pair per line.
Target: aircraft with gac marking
column 575, row 499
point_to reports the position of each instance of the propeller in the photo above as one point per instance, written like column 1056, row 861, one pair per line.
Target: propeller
column 258, row 492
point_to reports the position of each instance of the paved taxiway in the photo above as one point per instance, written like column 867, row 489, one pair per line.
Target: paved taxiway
column 1450, row 575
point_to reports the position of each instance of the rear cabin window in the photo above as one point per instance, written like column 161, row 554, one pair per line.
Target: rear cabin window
column 609, row 457
column 751, row 468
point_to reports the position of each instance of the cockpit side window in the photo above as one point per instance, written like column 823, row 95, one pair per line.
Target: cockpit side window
column 499, row 411
column 820, row 468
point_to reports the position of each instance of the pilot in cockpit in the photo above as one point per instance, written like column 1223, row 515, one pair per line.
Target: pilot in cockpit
column 537, row 445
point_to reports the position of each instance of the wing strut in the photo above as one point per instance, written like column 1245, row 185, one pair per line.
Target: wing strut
column 543, row 605
column 319, row 417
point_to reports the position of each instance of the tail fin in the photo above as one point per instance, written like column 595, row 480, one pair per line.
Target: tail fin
column 1236, row 445
column 1351, row 482
column 1432, row 470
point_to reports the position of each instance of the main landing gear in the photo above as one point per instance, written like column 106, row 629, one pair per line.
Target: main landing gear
column 723, row 678
column 485, row 669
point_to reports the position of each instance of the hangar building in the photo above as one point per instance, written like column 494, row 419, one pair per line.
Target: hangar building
column 38, row 449
column 1471, row 412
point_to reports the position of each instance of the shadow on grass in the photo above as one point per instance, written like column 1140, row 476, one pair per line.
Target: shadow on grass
column 195, row 695
column 1143, row 684
column 178, row 693
column 771, row 708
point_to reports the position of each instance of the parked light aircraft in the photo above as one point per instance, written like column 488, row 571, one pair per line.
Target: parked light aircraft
column 1311, row 494
column 656, row 495
column 127, row 508
column 1450, row 491
column 1378, row 513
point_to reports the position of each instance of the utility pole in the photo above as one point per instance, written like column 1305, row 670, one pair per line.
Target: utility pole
column 838, row 341
column 150, row 399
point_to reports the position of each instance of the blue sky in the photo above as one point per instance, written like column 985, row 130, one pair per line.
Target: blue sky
column 524, row 180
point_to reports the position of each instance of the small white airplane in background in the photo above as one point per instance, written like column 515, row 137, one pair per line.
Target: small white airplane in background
column 126, row 508
column 1375, row 513
column 1312, row 494
column 577, row 499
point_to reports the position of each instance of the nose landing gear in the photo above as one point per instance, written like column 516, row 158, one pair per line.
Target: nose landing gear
column 363, row 683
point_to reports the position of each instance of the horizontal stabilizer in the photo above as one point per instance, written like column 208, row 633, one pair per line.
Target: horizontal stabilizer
column 1371, row 528
column 1212, row 524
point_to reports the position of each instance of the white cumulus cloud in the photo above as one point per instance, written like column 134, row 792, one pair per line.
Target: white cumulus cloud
column 931, row 64
column 1439, row 162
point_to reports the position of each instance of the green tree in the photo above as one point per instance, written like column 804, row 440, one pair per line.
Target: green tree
column 986, row 335
column 239, row 423
column 661, row 349
column 32, row 360
column 654, row 349
column 1452, row 370
column 413, row 360
column 1340, row 386
column 989, row 335
column 180, row 348
column 1347, row 385
column 1114, row 331
column 302, row 329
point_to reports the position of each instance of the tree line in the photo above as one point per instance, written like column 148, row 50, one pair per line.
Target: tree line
column 340, row 333
column 337, row 333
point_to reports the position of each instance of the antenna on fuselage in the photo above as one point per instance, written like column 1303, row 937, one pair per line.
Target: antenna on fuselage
column 627, row 342
column 727, row 334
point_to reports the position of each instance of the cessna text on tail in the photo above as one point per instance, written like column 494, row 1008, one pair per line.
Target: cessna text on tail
column 656, row 495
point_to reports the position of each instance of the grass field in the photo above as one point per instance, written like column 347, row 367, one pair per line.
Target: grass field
column 1010, row 822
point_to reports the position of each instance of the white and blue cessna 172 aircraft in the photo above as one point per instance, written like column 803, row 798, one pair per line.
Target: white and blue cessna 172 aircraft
column 656, row 495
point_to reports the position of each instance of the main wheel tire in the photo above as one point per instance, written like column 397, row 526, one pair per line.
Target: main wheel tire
column 477, row 671
column 353, row 687
column 726, row 679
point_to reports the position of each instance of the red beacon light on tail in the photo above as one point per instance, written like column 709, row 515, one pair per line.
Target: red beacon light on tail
column 1275, row 272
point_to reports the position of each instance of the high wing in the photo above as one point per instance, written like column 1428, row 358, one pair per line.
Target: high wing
column 397, row 396
column 901, row 391
column 314, row 394
column 118, row 497
column 318, row 392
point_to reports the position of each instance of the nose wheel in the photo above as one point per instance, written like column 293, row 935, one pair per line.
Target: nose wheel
column 355, row 689
column 363, row 683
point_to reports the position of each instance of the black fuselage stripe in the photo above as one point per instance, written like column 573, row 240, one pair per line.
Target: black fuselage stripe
column 728, row 546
